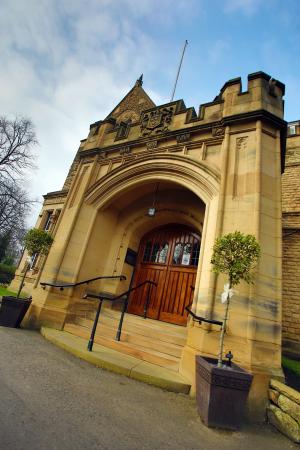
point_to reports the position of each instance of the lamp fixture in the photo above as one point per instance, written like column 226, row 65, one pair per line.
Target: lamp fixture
column 151, row 212
column 152, row 209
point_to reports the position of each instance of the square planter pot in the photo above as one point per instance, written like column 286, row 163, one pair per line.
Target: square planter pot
column 221, row 393
column 13, row 310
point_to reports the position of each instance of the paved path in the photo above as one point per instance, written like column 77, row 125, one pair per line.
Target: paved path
column 52, row 400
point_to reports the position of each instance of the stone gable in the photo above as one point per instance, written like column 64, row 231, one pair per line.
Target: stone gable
column 132, row 105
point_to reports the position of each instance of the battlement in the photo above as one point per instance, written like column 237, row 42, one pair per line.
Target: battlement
column 136, row 117
column 263, row 93
column 293, row 128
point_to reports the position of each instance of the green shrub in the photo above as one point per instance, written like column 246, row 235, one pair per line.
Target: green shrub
column 7, row 273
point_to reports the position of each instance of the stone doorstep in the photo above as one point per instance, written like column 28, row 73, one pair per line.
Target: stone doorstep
column 120, row 363
column 284, row 423
column 284, row 410
column 283, row 389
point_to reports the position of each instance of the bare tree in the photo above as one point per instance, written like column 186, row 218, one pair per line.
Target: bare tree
column 14, row 205
column 17, row 137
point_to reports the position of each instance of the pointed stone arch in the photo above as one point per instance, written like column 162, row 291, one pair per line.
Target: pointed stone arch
column 199, row 177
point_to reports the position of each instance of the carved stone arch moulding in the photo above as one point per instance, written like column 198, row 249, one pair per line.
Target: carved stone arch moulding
column 139, row 224
column 197, row 177
column 186, row 218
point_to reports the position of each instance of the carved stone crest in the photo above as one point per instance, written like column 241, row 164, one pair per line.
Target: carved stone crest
column 241, row 143
column 218, row 131
column 156, row 121
column 151, row 145
column 125, row 150
column 102, row 156
column 184, row 137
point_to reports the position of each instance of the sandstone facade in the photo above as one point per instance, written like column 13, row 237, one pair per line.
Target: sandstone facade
column 213, row 171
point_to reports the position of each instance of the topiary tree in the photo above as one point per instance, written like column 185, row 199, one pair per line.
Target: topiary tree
column 235, row 254
column 35, row 241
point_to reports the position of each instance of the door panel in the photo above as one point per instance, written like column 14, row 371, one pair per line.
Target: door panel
column 178, row 294
column 139, row 297
column 168, row 256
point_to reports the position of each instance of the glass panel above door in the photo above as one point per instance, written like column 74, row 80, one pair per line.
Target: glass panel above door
column 195, row 254
column 186, row 256
column 177, row 253
column 163, row 253
column 155, row 252
column 147, row 251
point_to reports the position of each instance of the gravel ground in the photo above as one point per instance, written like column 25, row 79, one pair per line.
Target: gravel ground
column 52, row 400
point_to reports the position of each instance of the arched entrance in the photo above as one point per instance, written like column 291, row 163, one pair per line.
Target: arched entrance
column 169, row 256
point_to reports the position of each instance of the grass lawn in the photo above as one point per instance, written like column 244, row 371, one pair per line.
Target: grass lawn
column 292, row 365
column 4, row 291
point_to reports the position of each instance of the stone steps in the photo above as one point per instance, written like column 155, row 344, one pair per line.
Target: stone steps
column 135, row 350
column 136, row 324
column 135, row 335
column 123, row 364
column 146, row 339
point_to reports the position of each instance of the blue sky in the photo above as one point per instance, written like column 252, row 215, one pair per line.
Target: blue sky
column 67, row 63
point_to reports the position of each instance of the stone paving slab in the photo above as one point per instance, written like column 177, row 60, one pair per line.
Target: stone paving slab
column 114, row 361
column 52, row 400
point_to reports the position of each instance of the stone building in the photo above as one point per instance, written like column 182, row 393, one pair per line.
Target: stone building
column 291, row 242
column 149, row 190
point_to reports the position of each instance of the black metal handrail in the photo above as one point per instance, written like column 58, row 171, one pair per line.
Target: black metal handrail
column 62, row 286
column 122, row 297
column 200, row 319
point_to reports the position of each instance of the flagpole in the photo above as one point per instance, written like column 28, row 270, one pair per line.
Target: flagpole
column 178, row 71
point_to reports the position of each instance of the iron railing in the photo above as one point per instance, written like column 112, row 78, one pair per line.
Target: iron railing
column 200, row 319
column 121, row 298
column 62, row 286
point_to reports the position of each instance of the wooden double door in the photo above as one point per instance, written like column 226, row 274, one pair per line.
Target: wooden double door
column 169, row 256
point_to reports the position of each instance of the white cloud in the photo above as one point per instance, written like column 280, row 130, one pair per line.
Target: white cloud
column 218, row 51
column 248, row 7
column 66, row 64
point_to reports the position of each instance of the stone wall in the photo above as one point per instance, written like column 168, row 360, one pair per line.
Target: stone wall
column 71, row 173
column 284, row 409
column 291, row 245
column 291, row 286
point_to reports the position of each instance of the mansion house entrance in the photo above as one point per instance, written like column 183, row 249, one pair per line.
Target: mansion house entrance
column 169, row 256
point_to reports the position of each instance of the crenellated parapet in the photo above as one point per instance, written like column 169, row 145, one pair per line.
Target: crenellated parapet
column 263, row 100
